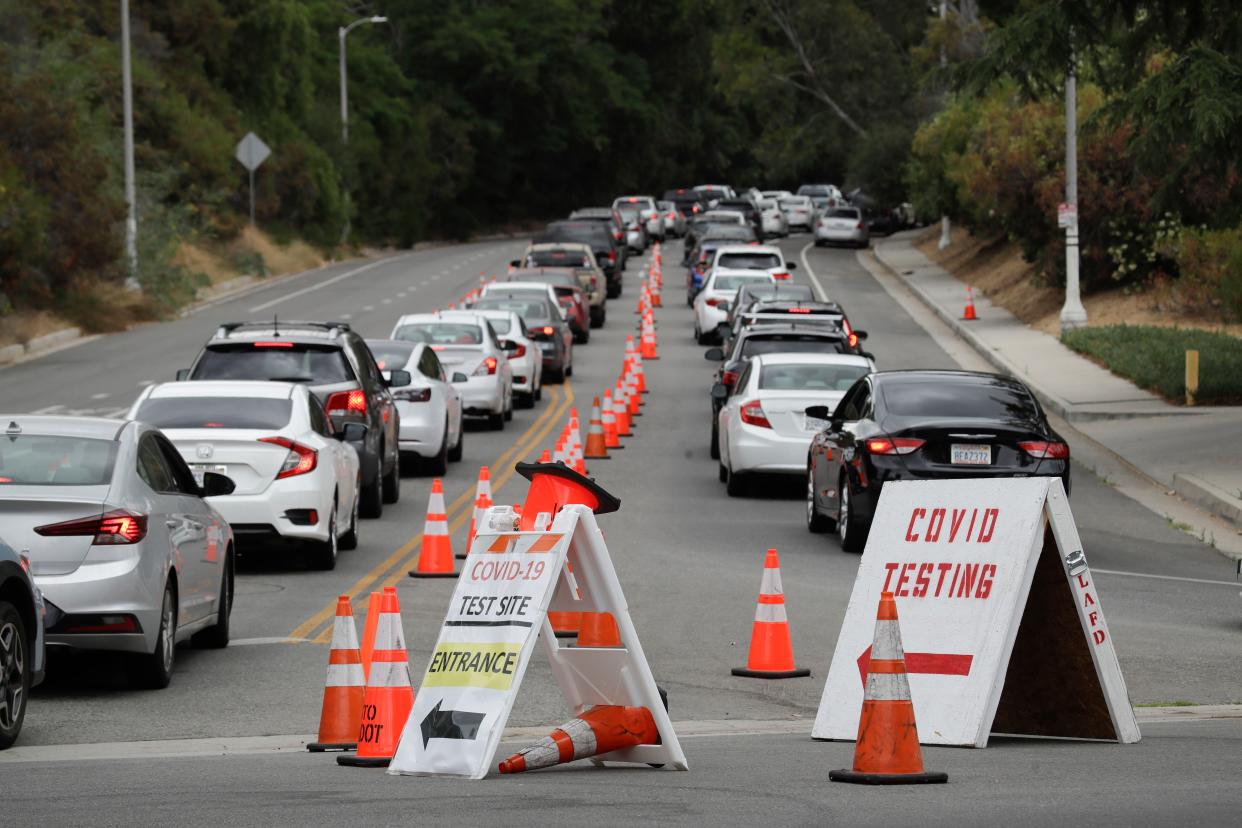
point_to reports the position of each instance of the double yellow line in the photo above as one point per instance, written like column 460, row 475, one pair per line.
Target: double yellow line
column 318, row 628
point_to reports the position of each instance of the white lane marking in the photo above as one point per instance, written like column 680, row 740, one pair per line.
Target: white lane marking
column 385, row 301
column 145, row 383
column 806, row 265
column 116, row 413
column 435, row 278
column 103, row 395
column 347, row 316
column 1234, row 584
column 278, row 639
column 368, row 308
column 311, row 288
column 401, row 294
column 51, row 409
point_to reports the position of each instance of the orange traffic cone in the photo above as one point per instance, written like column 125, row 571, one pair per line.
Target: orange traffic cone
column 969, row 313
column 648, row 350
column 596, row 444
column 601, row 729
column 621, row 406
column 482, row 502
column 576, row 455
column 546, row 457
column 771, row 651
column 598, row 629
column 389, row 695
column 435, row 555
column 342, row 693
column 632, row 397
column 887, row 752
column 640, row 376
column 609, row 416
column 374, row 605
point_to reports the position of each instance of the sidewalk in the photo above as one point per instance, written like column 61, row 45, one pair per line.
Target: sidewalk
column 1193, row 451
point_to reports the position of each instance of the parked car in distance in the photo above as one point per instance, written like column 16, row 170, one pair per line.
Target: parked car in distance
column 432, row 432
column 653, row 220
column 772, row 219
column 674, row 219
column 129, row 555
column 799, row 211
column 23, row 658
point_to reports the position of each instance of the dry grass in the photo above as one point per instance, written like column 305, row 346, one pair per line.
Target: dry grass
column 219, row 261
column 997, row 270
column 23, row 326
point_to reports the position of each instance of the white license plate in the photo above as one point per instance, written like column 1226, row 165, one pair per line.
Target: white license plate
column 198, row 470
column 970, row 454
column 814, row 424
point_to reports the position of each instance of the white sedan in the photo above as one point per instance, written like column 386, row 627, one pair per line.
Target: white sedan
column 430, row 432
column 525, row 358
column 711, row 305
column 467, row 346
column 775, row 224
column 764, row 426
column 752, row 257
column 295, row 480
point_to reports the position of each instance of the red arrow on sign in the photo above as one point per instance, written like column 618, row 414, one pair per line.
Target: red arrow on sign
column 941, row 664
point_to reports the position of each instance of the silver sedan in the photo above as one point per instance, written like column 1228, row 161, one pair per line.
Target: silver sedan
column 128, row 555
column 841, row 225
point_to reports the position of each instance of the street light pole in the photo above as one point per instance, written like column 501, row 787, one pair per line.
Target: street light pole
column 127, row 98
column 1073, row 314
column 341, row 34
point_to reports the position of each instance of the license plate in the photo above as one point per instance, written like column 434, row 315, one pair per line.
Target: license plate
column 814, row 424
column 198, row 470
column 970, row 454
column 547, row 346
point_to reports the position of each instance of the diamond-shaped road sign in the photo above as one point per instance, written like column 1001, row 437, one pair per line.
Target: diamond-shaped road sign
column 251, row 151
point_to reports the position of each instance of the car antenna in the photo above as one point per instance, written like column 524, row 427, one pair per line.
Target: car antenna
column 275, row 324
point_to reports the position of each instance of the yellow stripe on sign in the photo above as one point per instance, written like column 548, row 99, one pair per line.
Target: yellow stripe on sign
column 490, row 666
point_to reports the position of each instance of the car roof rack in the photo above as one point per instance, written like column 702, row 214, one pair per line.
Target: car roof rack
column 333, row 328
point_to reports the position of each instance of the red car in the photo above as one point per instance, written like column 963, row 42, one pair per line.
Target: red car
column 569, row 294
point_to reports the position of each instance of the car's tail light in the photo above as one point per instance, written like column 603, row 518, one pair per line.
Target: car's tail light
column 273, row 344
column 752, row 414
column 715, row 302
column 782, row 276
column 518, row 352
column 860, row 226
column 412, row 394
column 895, row 445
column 853, row 340
column 300, row 459
column 612, row 254
column 84, row 624
column 487, row 367
column 1045, row 450
column 344, row 403
column 798, row 310
column 109, row 529
column 729, row 378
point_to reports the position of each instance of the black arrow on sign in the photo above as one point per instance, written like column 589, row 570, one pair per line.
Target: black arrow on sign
column 450, row 724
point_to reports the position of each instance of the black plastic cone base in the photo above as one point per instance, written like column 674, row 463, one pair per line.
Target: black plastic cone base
column 364, row 761
column 566, row 633
column 461, row 556
column 597, row 457
column 797, row 672
column 860, row 778
column 324, row 747
column 414, row 573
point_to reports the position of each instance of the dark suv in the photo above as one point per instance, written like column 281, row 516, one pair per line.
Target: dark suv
column 340, row 370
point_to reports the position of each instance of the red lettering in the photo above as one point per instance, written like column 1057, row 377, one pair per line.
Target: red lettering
column 974, row 513
column 891, row 567
column 957, row 570
column 944, row 570
column 902, row 579
column 934, row 525
column 985, row 581
column 986, row 528
column 956, row 523
column 1083, row 582
column 1093, row 617
column 922, row 582
column 970, row 572
column 1098, row 635
column 1087, row 600
column 911, row 535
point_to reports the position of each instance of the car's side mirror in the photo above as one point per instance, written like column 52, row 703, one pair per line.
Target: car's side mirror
column 860, row 334
column 714, row 354
column 183, row 374
column 818, row 412
column 514, row 263
column 215, row 484
column 509, row 345
column 720, row 392
column 398, row 379
column 791, row 265
column 352, row 433
column 458, row 376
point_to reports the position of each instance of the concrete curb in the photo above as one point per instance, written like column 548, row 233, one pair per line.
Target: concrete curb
column 1210, row 496
column 53, row 341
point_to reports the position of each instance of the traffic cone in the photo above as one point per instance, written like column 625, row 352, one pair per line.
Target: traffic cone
column 648, row 350
column 640, row 375
column 621, row 408
column 601, row 729
column 598, row 629
column 435, row 555
column 342, row 693
column 887, row 751
column 632, row 398
column 576, row 454
column 771, row 651
column 609, row 416
column 389, row 695
column 374, row 605
column 546, row 457
column 596, row 444
column 969, row 313
column 482, row 502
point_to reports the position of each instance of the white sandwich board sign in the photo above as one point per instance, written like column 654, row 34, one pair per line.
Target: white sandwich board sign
column 1000, row 617
column 509, row 581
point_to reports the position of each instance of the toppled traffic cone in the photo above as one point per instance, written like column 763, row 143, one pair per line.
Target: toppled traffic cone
column 969, row 313
column 887, row 752
column 771, row 651
column 435, row 554
column 601, row 729
column 482, row 502
column 389, row 695
column 342, row 693
column 596, row 444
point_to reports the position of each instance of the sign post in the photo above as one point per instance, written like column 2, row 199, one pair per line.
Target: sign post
column 251, row 152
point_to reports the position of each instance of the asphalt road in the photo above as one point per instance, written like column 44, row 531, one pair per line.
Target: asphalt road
column 690, row 561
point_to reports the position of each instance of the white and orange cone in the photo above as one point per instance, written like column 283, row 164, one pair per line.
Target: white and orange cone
column 599, row 730
column 482, row 502
column 342, row 693
column 771, row 650
column 608, row 416
column 435, row 554
column 389, row 695
column 596, row 445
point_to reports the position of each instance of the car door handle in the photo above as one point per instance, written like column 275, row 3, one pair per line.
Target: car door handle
column 172, row 524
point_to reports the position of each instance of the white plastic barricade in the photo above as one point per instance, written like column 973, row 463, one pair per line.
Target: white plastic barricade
column 1000, row 617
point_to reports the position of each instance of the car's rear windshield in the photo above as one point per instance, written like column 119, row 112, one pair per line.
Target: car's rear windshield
column 501, row 325
column 216, row 412
column 537, row 312
column 950, row 398
column 595, row 233
column 441, row 333
column 278, row 360
column 792, row 377
column 781, row 291
column 557, row 258
column 563, row 277
column 791, row 344
column 842, row 212
column 749, row 261
column 53, row 460
column 813, row 190
column 391, row 355
column 796, row 202
column 729, row 281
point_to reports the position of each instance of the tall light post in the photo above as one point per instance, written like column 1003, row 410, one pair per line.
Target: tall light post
column 1073, row 314
column 342, row 33
column 127, row 105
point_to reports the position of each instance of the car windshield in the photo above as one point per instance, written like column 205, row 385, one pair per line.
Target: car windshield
column 749, row 261
column 441, row 333
column 951, row 397
column 842, row 212
column 795, row 377
column 773, row 292
column 730, row 281
column 595, row 233
column 216, row 412
column 557, row 258
column 804, row 203
column 531, row 312
column 390, row 355
column 791, row 344
column 628, row 213
column 277, row 360
column 53, row 460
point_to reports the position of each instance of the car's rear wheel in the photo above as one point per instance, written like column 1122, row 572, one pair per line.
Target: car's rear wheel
column 15, row 667
column 721, row 472
column 554, row 376
column 349, row 540
column 216, row 636
column 509, row 409
column 154, row 670
column 736, row 485
column 437, row 464
column 849, row 529
column 372, row 501
column 815, row 522
column 496, row 422
column 583, row 336
column 454, row 454
column 392, row 481
column 598, row 319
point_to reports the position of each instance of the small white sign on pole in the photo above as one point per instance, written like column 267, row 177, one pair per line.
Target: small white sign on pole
column 508, row 582
column 1067, row 214
column 1000, row 618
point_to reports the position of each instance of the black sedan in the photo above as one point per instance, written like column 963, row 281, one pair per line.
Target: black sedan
column 922, row 425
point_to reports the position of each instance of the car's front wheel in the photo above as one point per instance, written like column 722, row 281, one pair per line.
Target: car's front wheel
column 15, row 669
column 372, row 499
column 216, row 636
column 154, row 670
column 323, row 553
column 849, row 528
column 392, row 481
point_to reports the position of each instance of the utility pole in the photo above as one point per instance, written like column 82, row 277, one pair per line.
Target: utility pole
column 127, row 97
column 945, row 239
column 1073, row 314
column 341, row 34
